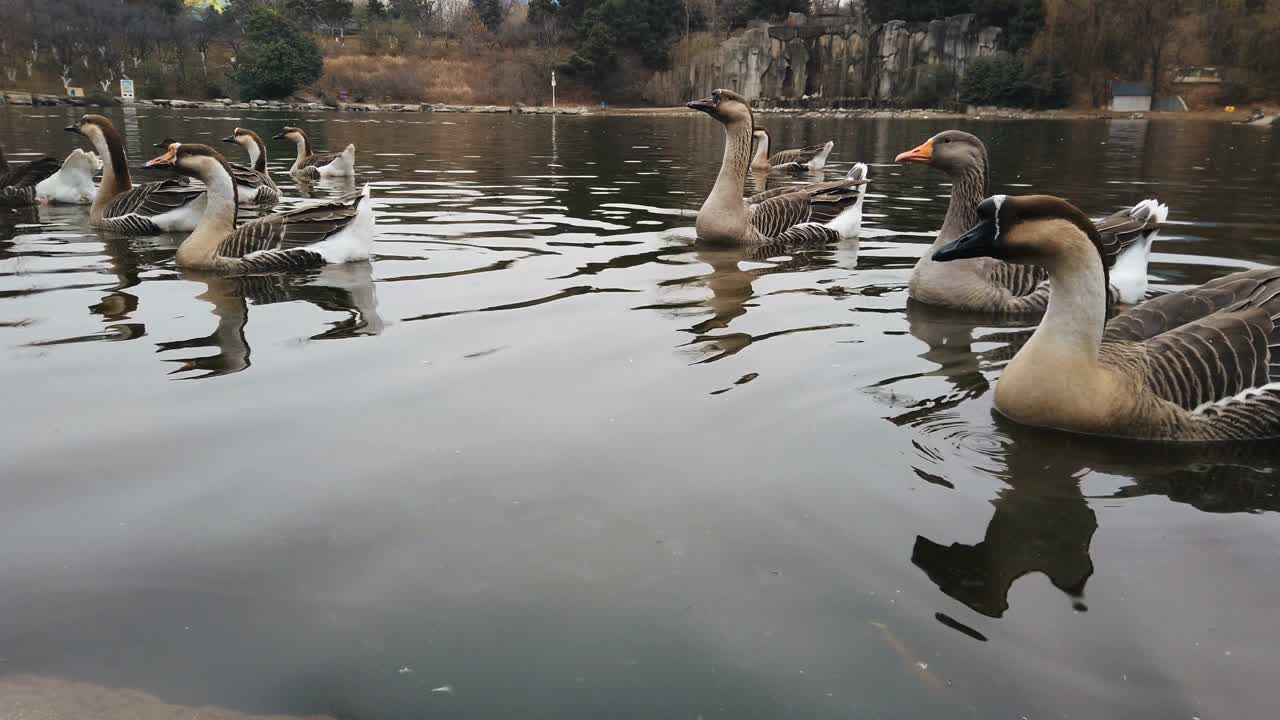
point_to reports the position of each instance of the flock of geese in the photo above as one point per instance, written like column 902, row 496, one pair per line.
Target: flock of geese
column 1195, row 365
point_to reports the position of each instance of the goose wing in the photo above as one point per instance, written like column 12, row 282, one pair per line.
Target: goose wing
column 1122, row 229
column 1172, row 311
column 1214, row 358
column 152, row 199
column 29, row 173
column 244, row 175
column 817, row 202
column 319, row 160
column 785, row 189
column 283, row 240
column 799, row 156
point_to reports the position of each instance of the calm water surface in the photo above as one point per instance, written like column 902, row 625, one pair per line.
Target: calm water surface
column 545, row 452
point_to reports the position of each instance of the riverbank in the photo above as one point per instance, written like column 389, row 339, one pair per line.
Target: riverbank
column 1269, row 115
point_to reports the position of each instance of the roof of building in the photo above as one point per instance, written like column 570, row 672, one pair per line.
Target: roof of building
column 1129, row 88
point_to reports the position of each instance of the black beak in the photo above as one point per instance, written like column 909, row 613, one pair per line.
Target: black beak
column 278, row 136
column 229, row 139
column 72, row 128
column 706, row 105
column 982, row 240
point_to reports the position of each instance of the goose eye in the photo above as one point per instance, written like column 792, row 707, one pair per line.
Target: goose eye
column 946, row 140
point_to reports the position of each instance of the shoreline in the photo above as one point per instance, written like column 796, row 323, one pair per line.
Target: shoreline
column 45, row 100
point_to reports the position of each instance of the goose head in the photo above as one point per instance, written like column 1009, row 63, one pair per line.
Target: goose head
column 94, row 128
column 725, row 106
column 243, row 138
column 1025, row 229
column 951, row 151
column 291, row 134
column 199, row 161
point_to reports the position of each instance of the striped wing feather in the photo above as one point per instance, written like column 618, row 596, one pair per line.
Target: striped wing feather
column 799, row 155
column 1123, row 228
column 1174, row 310
column 153, row 198
column 281, row 241
column 244, row 175
column 17, row 196
column 319, row 159
column 783, row 208
column 1212, row 358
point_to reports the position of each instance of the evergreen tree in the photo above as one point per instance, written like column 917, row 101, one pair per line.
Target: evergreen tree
column 277, row 57
column 490, row 12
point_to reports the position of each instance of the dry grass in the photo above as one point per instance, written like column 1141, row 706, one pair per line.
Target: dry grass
column 499, row 77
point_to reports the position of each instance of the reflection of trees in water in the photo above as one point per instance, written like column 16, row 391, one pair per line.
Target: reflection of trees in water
column 340, row 288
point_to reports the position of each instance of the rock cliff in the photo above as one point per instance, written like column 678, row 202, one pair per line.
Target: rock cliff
column 835, row 59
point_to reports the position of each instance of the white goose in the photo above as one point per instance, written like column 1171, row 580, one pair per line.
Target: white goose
column 335, row 231
column 73, row 183
column 120, row 206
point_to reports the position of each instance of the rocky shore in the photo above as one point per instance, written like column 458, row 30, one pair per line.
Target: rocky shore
column 972, row 113
column 39, row 99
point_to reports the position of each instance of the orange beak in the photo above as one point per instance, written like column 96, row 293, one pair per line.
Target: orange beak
column 922, row 154
column 164, row 161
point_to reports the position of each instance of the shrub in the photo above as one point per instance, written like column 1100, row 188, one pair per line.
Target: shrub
column 992, row 80
column 277, row 57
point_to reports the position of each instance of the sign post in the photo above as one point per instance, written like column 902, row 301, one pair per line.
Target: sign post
column 126, row 90
column 553, row 88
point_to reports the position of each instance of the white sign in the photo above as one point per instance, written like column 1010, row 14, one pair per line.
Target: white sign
column 553, row 78
column 126, row 89
column 75, row 91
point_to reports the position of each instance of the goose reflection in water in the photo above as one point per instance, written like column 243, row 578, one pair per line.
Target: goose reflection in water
column 336, row 288
column 1043, row 521
column 732, row 293
column 332, row 186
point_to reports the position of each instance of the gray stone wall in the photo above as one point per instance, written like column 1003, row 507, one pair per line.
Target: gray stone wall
column 828, row 57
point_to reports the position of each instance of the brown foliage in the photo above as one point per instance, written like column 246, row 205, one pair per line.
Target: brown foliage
column 491, row 77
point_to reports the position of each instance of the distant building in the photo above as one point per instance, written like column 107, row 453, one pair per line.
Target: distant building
column 1127, row 96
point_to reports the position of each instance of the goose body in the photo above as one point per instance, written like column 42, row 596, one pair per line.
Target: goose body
column 808, row 214
column 18, row 181
column 991, row 285
column 1196, row 365
column 329, row 232
column 121, row 206
column 313, row 165
column 806, row 159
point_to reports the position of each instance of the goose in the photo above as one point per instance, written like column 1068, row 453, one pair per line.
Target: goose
column 311, row 164
column 817, row 213
column 988, row 285
column 18, row 182
column 1196, row 365
column 121, row 206
column 804, row 159
column 334, row 231
column 253, row 185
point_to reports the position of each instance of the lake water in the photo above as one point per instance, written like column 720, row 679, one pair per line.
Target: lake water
column 545, row 453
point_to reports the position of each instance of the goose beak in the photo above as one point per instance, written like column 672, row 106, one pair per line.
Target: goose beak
column 982, row 240
column 164, row 161
column 706, row 105
column 278, row 136
column 231, row 139
column 75, row 128
column 922, row 154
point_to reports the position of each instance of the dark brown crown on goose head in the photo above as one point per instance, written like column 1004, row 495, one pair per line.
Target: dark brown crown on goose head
column 724, row 105
column 1000, row 220
column 115, row 145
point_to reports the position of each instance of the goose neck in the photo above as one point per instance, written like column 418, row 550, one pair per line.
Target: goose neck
column 968, row 190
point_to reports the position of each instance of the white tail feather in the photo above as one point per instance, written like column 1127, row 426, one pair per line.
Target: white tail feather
column 1129, row 275
column 849, row 222
column 819, row 161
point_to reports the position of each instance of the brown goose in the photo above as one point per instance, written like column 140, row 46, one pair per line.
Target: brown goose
column 335, row 231
column 18, row 181
column 988, row 285
column 253, row 187
column 812, row 158
column 806, row 214
column 121, row 206
column 312, row 165
column 1193, row 365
